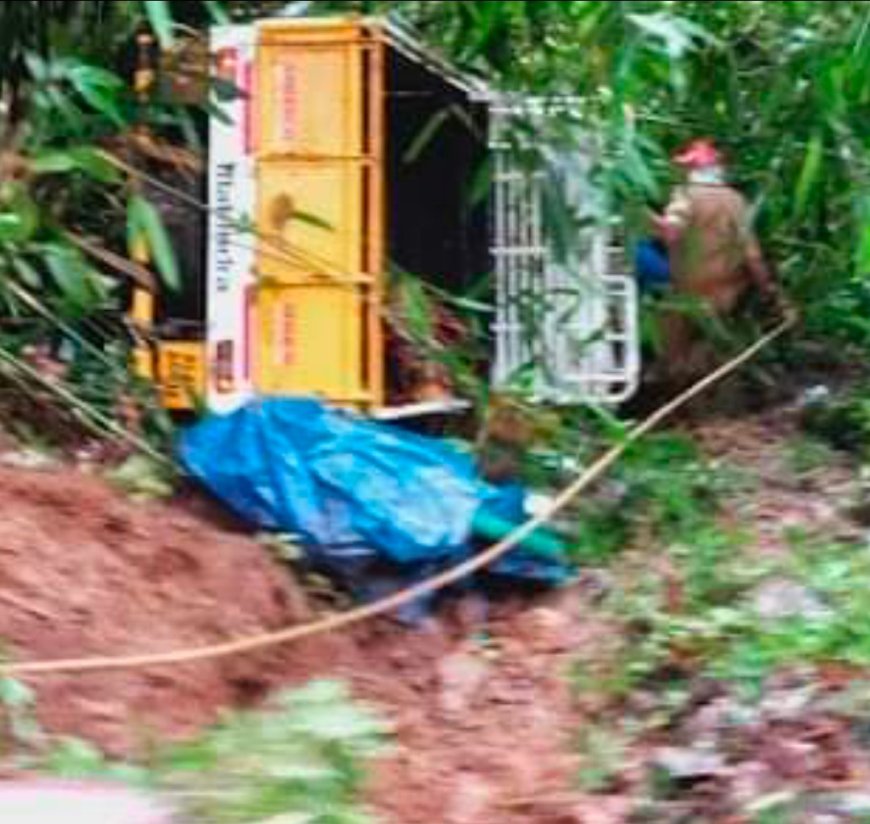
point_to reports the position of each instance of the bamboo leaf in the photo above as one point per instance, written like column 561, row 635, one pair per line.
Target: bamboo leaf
column 312, row 220
column 70, row 114
column 160, row 17
column 100, row 89
column 26, row 272
column 70, row 274
column 144, row 223
column 469, row 304
column 481, row 185
column 104, row 102
column 809, row 173
column 425, row 137
column 50, row 163
column 218, row 13
column 112, row 261
column 96, row 164
column 85, row 159
column 218, row 113
column 83, row 75
column 863, row 256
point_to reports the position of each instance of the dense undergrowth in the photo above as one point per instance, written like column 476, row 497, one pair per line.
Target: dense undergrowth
column 710, row 640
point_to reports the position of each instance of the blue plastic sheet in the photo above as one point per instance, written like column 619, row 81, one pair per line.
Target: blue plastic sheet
column 376, row 505
column 333, row 480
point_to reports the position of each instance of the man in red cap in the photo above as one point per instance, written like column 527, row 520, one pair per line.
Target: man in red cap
column 715, row 257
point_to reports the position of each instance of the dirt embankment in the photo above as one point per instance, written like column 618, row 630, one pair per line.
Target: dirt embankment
column 84, row 571
column 481, row 736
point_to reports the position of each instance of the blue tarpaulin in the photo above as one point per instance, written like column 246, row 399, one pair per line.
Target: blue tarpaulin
column 351, row 490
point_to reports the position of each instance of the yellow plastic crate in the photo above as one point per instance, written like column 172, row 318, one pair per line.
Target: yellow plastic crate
column 310, row 338
column 310, row 220
column 310, row 100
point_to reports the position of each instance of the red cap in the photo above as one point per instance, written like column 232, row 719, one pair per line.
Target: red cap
column 699, row 154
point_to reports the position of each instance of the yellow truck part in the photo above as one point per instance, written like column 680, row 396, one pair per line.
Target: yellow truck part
column 300, row 170
column 351, row 150
column 319, row 202
column 181, row 374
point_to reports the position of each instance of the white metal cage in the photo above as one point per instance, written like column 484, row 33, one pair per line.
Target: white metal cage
column 566, row 325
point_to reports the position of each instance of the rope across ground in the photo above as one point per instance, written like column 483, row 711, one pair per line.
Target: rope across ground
column 341, row 621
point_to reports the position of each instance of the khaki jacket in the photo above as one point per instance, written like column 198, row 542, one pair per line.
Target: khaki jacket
column 715, row 255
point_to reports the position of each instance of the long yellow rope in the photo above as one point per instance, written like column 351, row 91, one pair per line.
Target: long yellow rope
column 393, row 602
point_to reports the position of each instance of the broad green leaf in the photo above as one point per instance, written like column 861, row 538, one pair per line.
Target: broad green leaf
column 144, row 221
column 19, row 220
column 70, row 274
column 86, row 159
column 30, row 213
column 11, row 227
column 100, row 89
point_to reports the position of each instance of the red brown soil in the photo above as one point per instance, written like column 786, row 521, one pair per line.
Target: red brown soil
column 84, row 571
column 483, row 734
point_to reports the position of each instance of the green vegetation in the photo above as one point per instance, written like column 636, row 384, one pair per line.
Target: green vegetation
column 304, row 759
column 651, row 74
column 783, row 86
column 661, row 491
column 647, row 75
column 301, row 759
column 691, row 610
column 714, row 648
